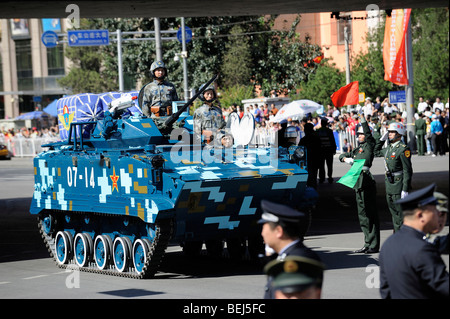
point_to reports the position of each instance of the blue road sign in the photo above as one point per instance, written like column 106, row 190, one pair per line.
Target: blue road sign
column 188, row 32
column 50, row 39
column 397, row 97
column 77, row 38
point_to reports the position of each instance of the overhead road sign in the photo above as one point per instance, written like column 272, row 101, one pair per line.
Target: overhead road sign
column 78, row 38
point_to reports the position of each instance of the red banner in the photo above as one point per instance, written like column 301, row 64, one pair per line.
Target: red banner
column 394, row 56
column 346, row 95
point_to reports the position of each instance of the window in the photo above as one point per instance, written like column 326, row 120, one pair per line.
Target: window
column 345, row 20
column 24, row 65
column 55, row 60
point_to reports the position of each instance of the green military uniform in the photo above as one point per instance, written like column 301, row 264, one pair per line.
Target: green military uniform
column 397, row 158
column 365, row 189
column 376, row 130
column 421, row 130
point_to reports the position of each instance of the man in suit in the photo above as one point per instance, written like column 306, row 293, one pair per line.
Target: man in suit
column 421, row 130
column 328, row 149
column 410, row 266
column 311, row 142
column 283, row 232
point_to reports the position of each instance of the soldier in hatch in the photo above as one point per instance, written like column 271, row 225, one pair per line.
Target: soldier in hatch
column 159, row 94
column 208, row 119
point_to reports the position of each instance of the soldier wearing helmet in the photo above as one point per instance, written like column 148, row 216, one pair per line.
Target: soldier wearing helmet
column 365, row 188
column 398, row 167
column 208, row 118
column 159, row 94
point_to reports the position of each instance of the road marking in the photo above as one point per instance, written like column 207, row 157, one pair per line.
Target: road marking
column 34, row 277
column 5, row 282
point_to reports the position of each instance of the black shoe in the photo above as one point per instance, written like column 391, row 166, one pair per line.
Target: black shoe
column 371, row 251
column 330, row 180
column 362, row 250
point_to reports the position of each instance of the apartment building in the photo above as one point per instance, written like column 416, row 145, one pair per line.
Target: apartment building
column 327, row 31
column 29, row 70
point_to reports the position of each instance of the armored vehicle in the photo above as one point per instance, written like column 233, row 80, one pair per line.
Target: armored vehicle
column 120, row 186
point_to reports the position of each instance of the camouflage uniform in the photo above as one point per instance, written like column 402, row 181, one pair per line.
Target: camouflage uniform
column 158, row 94
column 209, row 118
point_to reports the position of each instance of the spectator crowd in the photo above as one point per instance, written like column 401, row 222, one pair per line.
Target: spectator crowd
column 346, row 122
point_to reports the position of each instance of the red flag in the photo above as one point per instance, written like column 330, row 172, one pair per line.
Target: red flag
column 318, row 59
column 394, row 47
column 346, row 95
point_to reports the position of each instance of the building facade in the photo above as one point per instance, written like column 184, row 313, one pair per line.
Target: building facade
column 329, row 32
column 29, row 70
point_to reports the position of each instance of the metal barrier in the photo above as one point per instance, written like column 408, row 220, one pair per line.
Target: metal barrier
column 26, row 147
column 267, row 137
column 29, row 147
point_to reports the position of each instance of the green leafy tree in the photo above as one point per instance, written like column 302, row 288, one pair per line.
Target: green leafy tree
column 236, row 66
column 368, row 67
column 281, row 66
column 321, row 85
column 275, row 58
column 430, row 29
column 87, row 73
column 235, row 94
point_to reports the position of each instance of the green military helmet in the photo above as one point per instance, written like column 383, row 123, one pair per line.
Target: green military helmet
column 210, row 87
column 156, row 65
column 295, row 273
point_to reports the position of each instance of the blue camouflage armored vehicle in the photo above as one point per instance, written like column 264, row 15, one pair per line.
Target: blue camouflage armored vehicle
column 120, row 186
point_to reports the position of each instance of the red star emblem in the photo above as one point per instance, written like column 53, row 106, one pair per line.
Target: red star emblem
column 114, row 179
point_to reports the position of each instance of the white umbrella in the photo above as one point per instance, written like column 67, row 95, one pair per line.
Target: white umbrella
column 295, row 109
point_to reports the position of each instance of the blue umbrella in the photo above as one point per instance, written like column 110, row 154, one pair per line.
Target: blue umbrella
column 51, row 109
column 31, row 115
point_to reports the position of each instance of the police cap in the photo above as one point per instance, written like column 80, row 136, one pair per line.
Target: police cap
column 274, row 212
column 442, row 202
column 419, row 198
column 295, row 273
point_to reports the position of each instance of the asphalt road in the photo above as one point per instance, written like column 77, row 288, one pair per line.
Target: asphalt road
column 27, row 271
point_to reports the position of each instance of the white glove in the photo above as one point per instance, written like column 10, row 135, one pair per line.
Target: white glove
column 385, row 136
column 404, row 194
column 348, row 160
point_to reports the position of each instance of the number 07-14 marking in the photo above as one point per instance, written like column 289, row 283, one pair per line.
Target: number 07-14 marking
column 72, row 177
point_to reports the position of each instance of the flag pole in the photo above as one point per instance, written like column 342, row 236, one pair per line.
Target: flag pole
column 410, row 131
